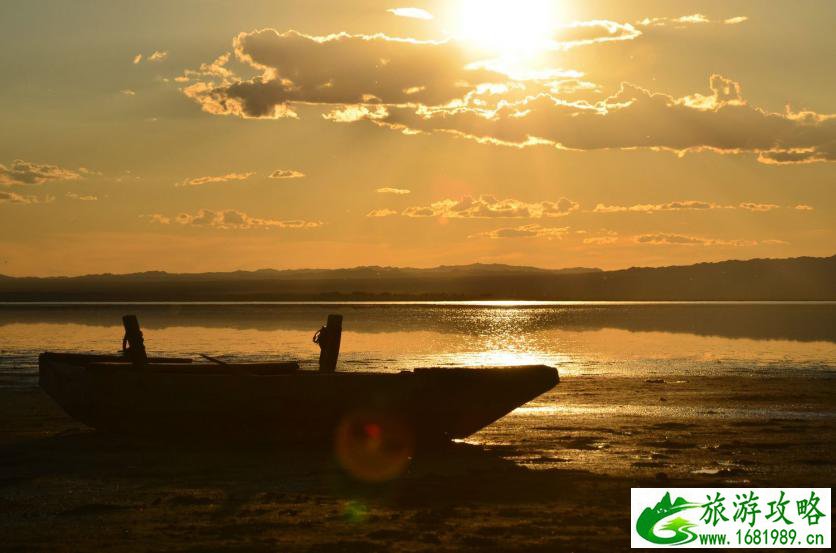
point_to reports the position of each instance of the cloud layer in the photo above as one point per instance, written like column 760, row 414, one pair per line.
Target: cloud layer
column 25, row 172
column 15, row 198
column 416, row 86
column 685, row 205
column 686, row 20
column 230, row 219
column 489, row 207
column 635, row 117
column 337, row 69
column 668, row 239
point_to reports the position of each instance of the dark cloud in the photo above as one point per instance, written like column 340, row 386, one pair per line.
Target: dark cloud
column 338, row 69
column 286, row 174
column 791, row 156
column 423, row 86
column 637, row 118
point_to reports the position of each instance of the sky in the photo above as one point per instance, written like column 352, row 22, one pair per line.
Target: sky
column 195, row 136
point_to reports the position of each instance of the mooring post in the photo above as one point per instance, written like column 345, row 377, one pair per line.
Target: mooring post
column 328, row 337
column 133, row 345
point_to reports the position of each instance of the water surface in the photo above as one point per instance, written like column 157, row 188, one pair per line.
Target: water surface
column 580, row 338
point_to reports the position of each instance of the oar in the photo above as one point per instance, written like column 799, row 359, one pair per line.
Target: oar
column 236, row 369
column 214, row 360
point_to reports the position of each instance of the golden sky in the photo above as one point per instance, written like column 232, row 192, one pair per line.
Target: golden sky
column 210, row 136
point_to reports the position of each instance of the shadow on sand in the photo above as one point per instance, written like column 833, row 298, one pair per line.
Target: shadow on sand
column 449, row 474
column 196, row 497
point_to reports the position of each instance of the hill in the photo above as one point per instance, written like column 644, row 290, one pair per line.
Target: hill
column 803, row 278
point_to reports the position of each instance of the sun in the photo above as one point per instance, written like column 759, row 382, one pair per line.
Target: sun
column 508, row 27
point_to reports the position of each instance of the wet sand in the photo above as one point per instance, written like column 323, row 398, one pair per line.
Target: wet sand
column 555, row 475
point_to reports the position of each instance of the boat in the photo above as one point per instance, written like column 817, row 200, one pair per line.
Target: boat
column 137, row 395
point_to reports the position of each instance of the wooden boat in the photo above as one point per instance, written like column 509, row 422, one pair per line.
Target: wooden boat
column 165, row 398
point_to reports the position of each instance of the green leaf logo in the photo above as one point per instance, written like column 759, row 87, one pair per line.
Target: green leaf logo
column 681, row 528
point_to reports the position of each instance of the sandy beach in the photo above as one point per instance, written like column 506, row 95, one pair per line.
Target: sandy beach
column 554, row 475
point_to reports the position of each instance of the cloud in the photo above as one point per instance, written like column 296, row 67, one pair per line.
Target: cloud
column 665, row 239
column 634, row 117
column 692, row 19
column 724, row 92
column 415, row 86
column 603, row 240
column 26, row 172
column 381, row 213
column 230, row 219
column 396, row 191
column 198, row 181
column 80, row 197
column 585, row 33
column 803, row 207
column 750, row 206
column 128, row 92
column 735, row 20
column 355, row 112
column 525, row 231
column 158, row 55
column 414, row 13
column 685, row 205
column 795, row 156
column 286, row 174
column 653, row 208
column 14, row 198
column 339, row 69
column 214, row 69
column 158, row 218
column 488, row 207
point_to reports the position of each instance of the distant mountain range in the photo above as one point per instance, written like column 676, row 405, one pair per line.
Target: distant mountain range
column 802, row 278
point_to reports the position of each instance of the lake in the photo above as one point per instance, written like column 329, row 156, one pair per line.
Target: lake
column 580, row 338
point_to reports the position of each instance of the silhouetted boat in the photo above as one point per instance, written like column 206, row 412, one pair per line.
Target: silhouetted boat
column 159, row 397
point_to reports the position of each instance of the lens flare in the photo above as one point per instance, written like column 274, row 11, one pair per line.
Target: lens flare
column 355, row 511
column 374, row 446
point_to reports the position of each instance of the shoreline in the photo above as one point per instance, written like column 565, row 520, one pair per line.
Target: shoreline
column 537, row 480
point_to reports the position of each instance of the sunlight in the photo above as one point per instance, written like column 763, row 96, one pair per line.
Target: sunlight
column 507, row 358
column 508, row 28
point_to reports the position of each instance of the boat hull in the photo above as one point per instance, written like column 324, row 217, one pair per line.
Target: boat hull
column 426, row 405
